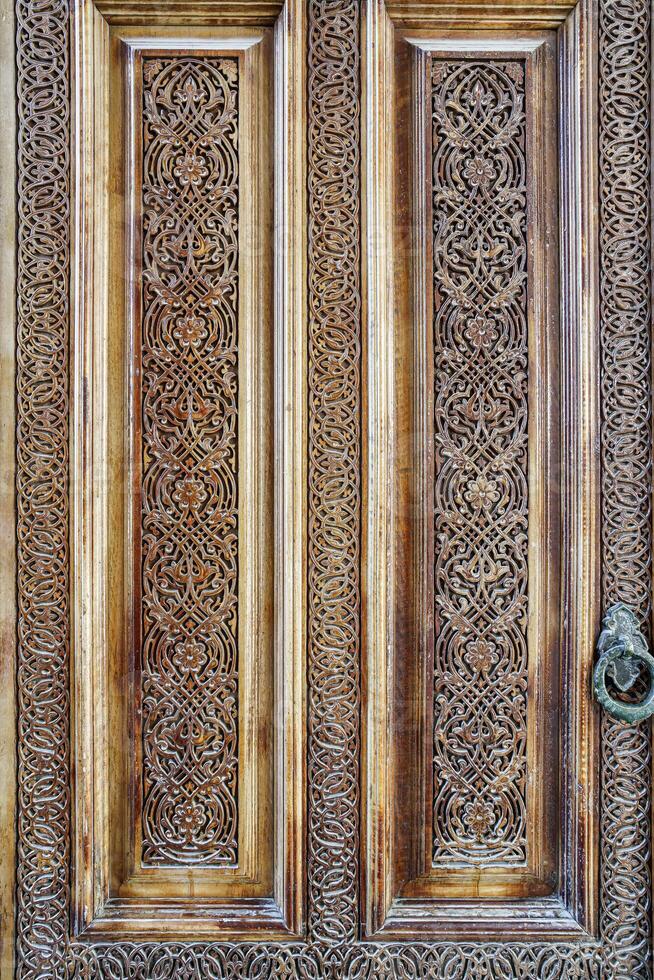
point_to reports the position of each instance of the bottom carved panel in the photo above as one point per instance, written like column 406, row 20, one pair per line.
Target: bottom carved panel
column 364, row 961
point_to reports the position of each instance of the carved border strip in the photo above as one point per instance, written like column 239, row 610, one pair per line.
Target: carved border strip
column 358, row 961
column 42, row 927
column 625, row 333
column 334, row 467
column 42, row 487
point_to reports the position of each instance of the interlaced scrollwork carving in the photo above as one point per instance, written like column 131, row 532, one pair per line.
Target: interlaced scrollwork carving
column 361, row 961
column 481, row 443
column 42, row 488
column 334, row 467
column 188, row 500
column 625, row 296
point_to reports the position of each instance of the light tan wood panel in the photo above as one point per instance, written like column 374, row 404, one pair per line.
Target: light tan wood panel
column 477, row 350
column 188, row 441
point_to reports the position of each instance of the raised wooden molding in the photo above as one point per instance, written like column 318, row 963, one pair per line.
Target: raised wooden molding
column 473, row 15
column 186, row 13
column 263, row 894
column 420, row 909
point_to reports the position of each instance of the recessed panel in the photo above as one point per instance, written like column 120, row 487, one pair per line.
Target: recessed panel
column 481, row 458
column 186, row 450
column 185, row 661
column 471, row 691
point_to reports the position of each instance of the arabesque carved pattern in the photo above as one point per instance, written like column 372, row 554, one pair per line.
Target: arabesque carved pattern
column 362, row 961
column 481, row 443
column 188, row 503
column 625, row 297
column 334, row 467
column 42, row 488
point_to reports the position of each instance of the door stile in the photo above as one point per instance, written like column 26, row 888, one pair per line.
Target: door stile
column 42, row 488
column 334, row 478
column 625, row 66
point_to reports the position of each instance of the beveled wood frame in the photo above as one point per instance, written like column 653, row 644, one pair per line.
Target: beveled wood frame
column 43, row 947
column 109, row 889
column 418, row 912
column 151, row 904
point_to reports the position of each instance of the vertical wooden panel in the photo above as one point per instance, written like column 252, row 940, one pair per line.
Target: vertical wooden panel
column 42, row 488
column 189, row 727
column 334, row 467
column 625, row 154
column 188, row 370
column 466, row 642
column 481, row 489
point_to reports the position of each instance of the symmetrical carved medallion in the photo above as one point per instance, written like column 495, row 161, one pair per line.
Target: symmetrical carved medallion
column 481, row 442
column 188, row 502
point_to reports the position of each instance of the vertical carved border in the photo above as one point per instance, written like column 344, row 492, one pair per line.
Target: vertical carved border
column 42, row 487
column 334, row 467
column 625, row 313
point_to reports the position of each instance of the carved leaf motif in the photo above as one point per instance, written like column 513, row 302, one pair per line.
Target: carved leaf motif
column 481, row 499
column 189, row 517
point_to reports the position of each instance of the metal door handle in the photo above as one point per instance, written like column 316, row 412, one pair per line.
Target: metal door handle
column 621, row 649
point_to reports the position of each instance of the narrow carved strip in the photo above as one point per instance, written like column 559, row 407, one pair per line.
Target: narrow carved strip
column 334, row 467
column 42, row 488
column 188, row 503
column 362, row 961
column 625, row 75
column 481, row 500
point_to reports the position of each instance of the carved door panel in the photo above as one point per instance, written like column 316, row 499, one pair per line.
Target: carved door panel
column 333, row 449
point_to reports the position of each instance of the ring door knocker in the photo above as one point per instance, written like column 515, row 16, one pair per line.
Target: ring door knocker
column 621, row 650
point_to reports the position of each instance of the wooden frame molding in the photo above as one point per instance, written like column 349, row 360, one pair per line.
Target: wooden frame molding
column 111, row 893
column 317, row 88
column 396, row 908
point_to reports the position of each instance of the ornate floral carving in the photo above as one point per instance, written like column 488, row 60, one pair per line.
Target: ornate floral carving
column 188, row 502
column 625, row 295
column 334, row 467
column 480, row 491
column 42, row 488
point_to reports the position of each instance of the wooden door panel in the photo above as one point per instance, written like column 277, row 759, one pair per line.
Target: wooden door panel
column 333, row 443
column 469, row 654
column 187, row 726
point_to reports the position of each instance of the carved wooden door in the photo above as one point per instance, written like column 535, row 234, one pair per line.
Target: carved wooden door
column 333, row 449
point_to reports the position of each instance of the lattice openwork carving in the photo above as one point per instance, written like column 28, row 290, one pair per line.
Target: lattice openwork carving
column 189, row 519
column 481, row 443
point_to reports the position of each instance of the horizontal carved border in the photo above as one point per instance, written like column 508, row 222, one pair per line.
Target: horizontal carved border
column 363, row 961
column 42, row 488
